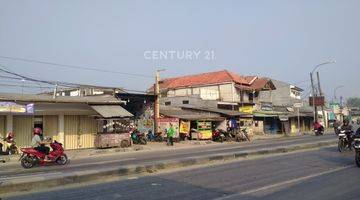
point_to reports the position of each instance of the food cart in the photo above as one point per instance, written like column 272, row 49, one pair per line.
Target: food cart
column 203, row 130
column 116, row 133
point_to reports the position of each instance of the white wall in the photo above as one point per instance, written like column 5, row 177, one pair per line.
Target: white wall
column 224, row 92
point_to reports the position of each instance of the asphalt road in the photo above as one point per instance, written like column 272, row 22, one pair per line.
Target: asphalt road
column 92, row 163
column 316, row 174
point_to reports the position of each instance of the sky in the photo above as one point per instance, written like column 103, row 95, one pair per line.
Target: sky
column 281, row 39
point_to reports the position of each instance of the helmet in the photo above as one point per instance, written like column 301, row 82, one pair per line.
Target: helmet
column 11, row 134
column 37, row 131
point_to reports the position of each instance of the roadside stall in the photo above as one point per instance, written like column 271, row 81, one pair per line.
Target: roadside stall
column 116, row 128
column 203, row 130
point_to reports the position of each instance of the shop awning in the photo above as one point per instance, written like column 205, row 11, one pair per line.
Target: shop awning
column 112, row 111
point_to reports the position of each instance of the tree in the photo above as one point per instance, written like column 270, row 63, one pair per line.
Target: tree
column 353, row 102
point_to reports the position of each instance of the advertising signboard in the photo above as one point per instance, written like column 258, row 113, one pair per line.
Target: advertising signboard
column 319, row 101
column 164, row 125
column 184, row 126
column 11, row 107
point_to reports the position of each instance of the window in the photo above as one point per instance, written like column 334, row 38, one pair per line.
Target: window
column 186, row 102
column 167, row 103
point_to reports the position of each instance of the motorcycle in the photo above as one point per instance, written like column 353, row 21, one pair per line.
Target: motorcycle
column 138, row 138
column 10, row 146
column 343, row 142
column 319, row 131
column 157, row 137
column 218, row 135
column 357, row 151
column 31, row 157
column 242, row 135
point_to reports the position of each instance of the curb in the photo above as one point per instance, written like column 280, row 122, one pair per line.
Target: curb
column 89, row 175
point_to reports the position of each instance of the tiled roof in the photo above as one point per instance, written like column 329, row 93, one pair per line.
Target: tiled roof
column 203, row 79
column 258, row 84
column 212, row 78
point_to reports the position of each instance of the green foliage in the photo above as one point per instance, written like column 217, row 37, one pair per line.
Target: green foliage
column 353, row 102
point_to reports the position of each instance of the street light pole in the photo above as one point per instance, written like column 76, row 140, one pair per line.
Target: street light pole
column 338, row 87
column 313, row 87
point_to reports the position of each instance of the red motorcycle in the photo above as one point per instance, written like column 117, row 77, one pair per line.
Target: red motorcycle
column 32, row 157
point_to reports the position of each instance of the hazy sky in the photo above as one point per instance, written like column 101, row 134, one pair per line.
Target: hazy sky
column 274, row 38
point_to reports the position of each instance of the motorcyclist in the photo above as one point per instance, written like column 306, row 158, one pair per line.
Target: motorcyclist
column 10, row 137
column 38, row 143
column 318, row 127
column 336, row 127
column 346, row 126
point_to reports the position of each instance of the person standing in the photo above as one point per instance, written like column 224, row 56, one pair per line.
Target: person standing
column 170, row 135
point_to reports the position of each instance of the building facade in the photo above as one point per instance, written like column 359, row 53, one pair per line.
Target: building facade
column 73, row 121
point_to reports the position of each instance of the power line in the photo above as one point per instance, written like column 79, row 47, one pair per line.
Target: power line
column 88, row 68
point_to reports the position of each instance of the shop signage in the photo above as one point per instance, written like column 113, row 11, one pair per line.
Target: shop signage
column 11, row 107
column 319, row 101
column 266, row 106
column 283, row 118
column 246, row 109
column 298, row 105
column 164, row 125
column 184, row 126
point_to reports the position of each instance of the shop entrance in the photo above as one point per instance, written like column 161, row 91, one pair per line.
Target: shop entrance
column 38, row 122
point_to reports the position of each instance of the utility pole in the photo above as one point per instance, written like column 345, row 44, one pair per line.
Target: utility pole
column 55, row 91
column 313, row 97
column 157, row 104
column 321, row 94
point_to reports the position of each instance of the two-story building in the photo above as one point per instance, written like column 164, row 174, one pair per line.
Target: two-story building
column 283, row 110
column 215, row 92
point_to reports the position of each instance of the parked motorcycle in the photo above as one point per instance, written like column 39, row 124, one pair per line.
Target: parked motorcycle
column 242, row 135
column 218, row 135
column 157, row 137
column 10, row 146
column 31, row 157
column 138, row 138
column 343, row 142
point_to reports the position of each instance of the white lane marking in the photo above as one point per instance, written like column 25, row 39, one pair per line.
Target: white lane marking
column 268, row 187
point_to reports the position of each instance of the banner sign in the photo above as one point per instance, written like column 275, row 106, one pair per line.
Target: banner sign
column 184, row 126
column 246, row 109
column 11, row 107
column 164, row 125
column 319, row 101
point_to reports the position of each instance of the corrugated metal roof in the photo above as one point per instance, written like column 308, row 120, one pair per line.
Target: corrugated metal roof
column 190, row 114
column 112, row 111
column 103, row 99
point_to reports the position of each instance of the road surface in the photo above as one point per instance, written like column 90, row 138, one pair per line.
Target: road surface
column 14, row 170
column 315, row 174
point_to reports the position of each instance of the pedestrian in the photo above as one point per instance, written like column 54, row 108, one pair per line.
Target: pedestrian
column 170, row 135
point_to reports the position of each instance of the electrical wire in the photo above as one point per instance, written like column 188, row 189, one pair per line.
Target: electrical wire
column 88, row 68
